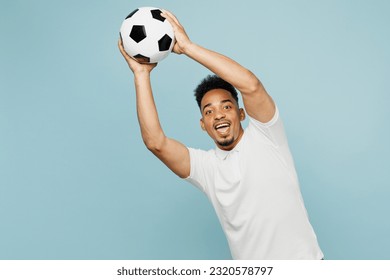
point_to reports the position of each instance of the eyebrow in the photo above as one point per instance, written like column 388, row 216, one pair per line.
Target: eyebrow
column 223, row 101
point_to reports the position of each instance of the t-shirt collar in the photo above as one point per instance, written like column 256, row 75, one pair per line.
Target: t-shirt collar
column 223, row 154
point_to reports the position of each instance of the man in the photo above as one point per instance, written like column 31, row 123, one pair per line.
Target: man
column 250, row 177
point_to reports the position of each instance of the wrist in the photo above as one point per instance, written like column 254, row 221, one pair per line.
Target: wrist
column 187, row 48
column 141, row 75
column 141, row 72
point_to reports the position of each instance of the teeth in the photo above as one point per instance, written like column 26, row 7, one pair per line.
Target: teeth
column 221, row 125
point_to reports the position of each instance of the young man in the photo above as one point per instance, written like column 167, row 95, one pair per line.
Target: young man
column 250, row 176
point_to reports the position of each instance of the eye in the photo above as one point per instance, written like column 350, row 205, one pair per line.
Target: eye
column 208, row 112
column 227, row 107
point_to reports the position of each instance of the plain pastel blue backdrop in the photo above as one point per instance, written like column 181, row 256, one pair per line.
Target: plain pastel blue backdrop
column 76, row 181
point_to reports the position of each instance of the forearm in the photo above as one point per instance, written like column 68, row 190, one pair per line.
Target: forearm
column 258, row 104
column 226, row 68
column 151, row 131
column 171, row 152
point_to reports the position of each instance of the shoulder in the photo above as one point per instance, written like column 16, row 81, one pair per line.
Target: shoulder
column 201, row 167
column 272, row 131
column 201, row 155
column 262, row 125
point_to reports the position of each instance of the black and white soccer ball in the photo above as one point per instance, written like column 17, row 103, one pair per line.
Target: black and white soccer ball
column 146, row 35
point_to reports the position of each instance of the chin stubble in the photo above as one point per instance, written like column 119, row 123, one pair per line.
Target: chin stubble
column 226, row 142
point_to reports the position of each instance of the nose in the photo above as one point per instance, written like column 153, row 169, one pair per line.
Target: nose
column 219, row 115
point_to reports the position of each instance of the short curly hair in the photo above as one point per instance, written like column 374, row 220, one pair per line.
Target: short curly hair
column 213, row 82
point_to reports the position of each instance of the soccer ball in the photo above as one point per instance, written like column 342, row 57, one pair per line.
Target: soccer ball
column 146, row 35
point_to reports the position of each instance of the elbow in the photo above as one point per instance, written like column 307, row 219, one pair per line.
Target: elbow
column 154, row 144
column 254, row 85
column 251, row 85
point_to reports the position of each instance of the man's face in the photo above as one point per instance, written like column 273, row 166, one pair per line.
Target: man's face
column 221, row 118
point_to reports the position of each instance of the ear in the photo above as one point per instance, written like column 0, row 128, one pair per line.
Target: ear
column 202, row 124
column 242, row 114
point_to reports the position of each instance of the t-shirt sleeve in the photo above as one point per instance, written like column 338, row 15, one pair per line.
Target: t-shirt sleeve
column 198, row 162
column 273, row 131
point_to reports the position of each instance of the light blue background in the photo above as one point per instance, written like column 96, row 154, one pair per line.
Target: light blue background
column 76, row 181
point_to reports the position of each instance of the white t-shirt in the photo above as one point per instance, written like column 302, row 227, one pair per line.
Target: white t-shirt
column 256, row 195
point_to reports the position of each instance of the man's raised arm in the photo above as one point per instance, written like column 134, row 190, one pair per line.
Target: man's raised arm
column 174, row 154
column 258, row 104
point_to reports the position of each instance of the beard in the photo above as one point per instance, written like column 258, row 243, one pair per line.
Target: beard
column 226, row 142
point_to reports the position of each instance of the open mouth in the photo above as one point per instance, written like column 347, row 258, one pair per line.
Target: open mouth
column 222, row 127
